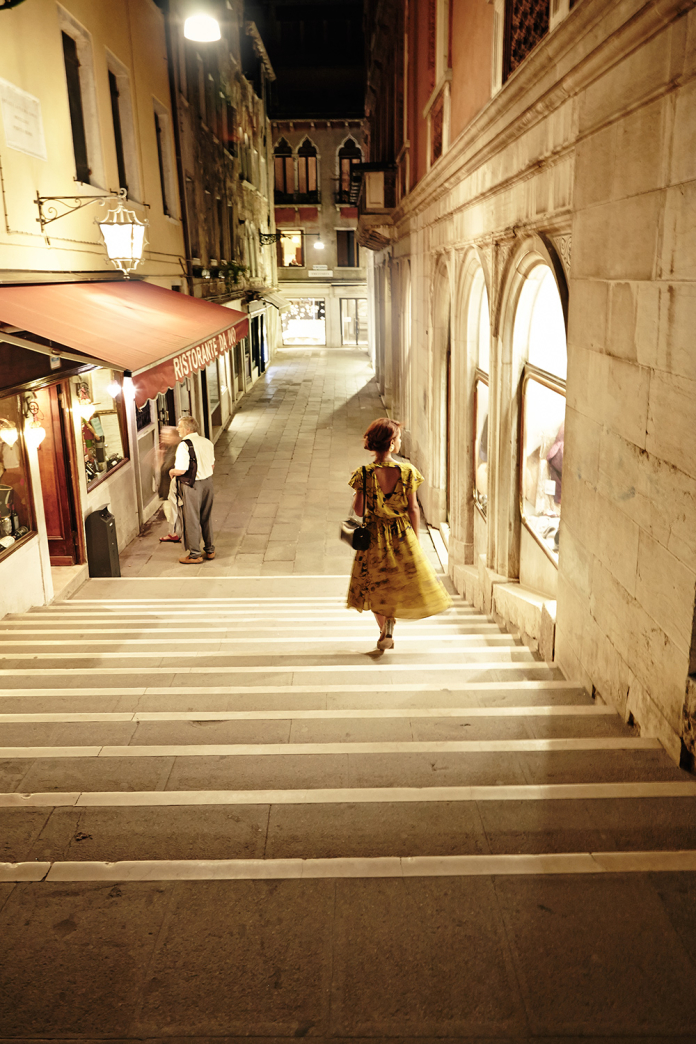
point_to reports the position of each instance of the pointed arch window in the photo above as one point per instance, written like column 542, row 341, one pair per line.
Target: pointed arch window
column 307, row 172
column 284, row 166
column 349, row 155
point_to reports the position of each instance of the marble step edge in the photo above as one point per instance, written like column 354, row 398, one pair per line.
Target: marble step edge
column 293, row 669
column 359, row 867
column 534, row 711
column 198, row 750
column 538, row 792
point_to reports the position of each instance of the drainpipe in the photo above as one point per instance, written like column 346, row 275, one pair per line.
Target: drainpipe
column 174, row 97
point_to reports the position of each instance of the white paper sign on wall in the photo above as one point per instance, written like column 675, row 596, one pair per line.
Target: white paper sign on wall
column 21, row 117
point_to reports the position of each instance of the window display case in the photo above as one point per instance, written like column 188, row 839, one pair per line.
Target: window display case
column 100, row 407
column 543, row 419
column 16, row 504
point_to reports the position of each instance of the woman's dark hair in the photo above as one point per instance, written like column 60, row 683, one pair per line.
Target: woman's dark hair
column 380, row 435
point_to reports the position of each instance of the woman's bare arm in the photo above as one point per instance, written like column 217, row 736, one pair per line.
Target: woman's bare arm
column 358, row 502
column 413, row 512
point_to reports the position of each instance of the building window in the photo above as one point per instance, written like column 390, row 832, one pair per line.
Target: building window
column 231, row 230
column 307, row 172
column 346, row 248
column 353, row 320
column 284, row 172
column 526, row 24
column 539, row 334
column 100, row 407
column 164, row 159
column 349, row 156
column 220, row 229
column 304, row 322
column 291, row 249
column 193, row 217
column 77, row 118
column 479, row 337
column 16, row 503
column 118, row 135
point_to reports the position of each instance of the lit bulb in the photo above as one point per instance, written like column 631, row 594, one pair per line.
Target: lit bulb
column 128, row 389
column 113, row 389
column 86, row 410
column 34, row 434
column 9, row 436
column 202, row 28
column 318, row 245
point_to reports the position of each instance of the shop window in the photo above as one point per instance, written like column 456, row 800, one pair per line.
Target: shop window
column 540, row 334
column 479, row 337
column 349, row 156
column 353, row 320
column 307, row 172
column 16, row 505
column 291, row 249
column 304, row 322
column 346, row 248
column 100, row 407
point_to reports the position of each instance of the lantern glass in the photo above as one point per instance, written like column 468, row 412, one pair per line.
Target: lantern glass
column 124, row 238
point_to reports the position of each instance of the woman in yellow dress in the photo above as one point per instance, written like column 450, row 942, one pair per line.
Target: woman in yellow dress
column 392, row 578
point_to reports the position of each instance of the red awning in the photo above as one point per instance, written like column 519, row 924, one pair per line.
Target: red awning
column 160, row 336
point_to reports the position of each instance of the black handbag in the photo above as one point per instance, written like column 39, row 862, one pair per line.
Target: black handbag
column 355, row 535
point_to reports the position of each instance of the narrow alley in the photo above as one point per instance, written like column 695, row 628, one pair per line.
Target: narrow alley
column 223, row 816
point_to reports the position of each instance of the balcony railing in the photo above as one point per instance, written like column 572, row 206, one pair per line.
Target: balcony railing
column 296, row 198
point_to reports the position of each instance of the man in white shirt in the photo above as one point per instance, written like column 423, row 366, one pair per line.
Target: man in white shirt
column 198, row 495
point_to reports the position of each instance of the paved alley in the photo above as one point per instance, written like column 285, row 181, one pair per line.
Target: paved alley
column 223, row 816
column 281, row 472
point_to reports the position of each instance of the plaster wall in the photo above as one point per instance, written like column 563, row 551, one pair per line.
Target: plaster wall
column 585, row 159
column 31, row 58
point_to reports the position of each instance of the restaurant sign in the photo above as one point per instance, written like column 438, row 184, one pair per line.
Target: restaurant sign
column 158, row 378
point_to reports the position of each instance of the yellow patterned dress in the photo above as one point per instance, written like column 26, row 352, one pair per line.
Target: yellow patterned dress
column 393, row 577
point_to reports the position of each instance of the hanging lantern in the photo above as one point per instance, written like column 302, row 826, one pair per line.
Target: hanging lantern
column 8, row 432
column 124, row 237
column 34, row 433
column 202, row 28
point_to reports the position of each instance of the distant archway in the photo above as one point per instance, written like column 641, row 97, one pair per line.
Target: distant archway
column 441, row 392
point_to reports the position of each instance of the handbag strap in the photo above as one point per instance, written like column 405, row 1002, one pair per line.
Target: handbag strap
column 364, row 471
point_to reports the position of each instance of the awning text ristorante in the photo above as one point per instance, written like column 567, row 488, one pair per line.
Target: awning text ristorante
column 156, row 379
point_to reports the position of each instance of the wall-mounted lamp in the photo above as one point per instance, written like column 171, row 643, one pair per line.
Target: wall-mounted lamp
column 34, row 431
column 122, row 230
column 202, row 28
column 8, row 432
column 319, row 245
column 85, row 407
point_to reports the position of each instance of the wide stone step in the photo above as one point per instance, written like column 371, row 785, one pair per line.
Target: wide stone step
column 279, row 698
column 332, row 730
column 285, row 771
column 339, row 830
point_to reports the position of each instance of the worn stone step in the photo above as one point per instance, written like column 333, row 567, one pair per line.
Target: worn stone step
column 329, row 831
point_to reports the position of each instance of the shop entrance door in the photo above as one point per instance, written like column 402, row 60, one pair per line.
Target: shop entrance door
column 57, row 485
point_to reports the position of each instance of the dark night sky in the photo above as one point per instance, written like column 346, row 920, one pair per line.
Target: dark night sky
column 317, row 51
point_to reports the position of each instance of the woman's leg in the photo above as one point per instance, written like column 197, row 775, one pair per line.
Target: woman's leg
column 380, row 621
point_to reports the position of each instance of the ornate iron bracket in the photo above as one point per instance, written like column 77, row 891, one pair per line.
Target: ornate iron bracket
column 72, row 204
column 268, row 238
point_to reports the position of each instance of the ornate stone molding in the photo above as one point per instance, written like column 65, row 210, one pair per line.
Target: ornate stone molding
column 563, row 246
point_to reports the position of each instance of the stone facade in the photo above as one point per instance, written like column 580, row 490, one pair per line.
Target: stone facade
column 581, row 163
column 333, row 274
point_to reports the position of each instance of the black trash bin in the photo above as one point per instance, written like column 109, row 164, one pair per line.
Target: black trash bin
column 102, row 544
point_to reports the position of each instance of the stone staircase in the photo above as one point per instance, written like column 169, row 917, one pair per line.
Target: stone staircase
column 222, row 817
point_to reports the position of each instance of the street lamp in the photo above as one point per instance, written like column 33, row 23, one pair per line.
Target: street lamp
column 319, row 245
column 202, row 28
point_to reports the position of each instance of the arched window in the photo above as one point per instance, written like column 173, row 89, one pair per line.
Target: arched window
column 348, row 156
column 479, row 342
column 307, row 172
column 540, row 337
column 284, row 171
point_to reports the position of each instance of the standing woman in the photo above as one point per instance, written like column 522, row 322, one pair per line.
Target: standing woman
column 393, row 578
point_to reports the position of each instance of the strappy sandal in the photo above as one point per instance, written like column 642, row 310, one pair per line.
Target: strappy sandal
column 170, row 540
column 386, row 638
